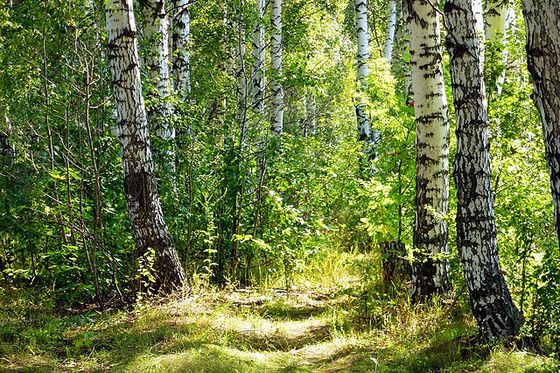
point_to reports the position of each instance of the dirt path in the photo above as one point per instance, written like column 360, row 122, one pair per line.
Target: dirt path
column 272, row 332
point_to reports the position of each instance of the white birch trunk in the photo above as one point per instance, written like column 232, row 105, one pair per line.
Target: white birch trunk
column 430, row 272
column 241, row 71
column 499, row 16
column 492, row 306
column 497, row 20
column 542, row 18
column 365, row 133
column 362, row 29
column 391, row 28
column 144, row 208
column 181, row 52
column 156, row 32
column 259, row 50
column 277, row 104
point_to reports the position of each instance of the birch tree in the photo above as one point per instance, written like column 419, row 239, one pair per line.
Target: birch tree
column 498, row 19
column 258, row 73
column 430, row 272
column 156, row 33
column 181, row 54
column 140, row 184
column 277, row 105
column 542, row 18
column 491, row 303
column 364, row 127
column 391, row 28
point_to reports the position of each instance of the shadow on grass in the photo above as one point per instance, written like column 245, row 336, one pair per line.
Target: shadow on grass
column 200, row 337
column 278, row 310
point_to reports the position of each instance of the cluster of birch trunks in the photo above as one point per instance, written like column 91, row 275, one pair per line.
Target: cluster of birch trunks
column 468, row 27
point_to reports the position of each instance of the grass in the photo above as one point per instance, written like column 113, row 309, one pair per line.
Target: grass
column 311, row 329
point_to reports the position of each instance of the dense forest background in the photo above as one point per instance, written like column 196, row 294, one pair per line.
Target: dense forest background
column 308, row 202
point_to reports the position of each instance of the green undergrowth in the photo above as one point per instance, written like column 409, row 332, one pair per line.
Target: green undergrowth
column 318, row 328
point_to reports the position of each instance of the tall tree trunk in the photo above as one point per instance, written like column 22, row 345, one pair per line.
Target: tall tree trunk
column 492, row 306
column 242, row 80
column 391, row 28
column 156, row 33
column 542, row 18
column 181, row 54
column 144, row 208
column 276, row 66
column 258, row 87
column 498, row 19
column 365, row 132
column 258, row 76
column 430, row 272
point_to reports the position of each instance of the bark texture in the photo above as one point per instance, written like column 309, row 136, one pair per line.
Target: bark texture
column 276, row 66
column 364, row 127
column 499, row 16
column 391, row 28
column 258, row 73
column 181, row 54
column 430, row 272
column 492, row 306
column 156, row 34
column 146, row 217
column 497, row 20
column 542, row 18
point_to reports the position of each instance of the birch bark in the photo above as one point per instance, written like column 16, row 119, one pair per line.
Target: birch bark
column 258, row 73
column 492, row 306
column 364, row 127
column 499, row 16
column 430, row 272
column 276, row 66
column 144, row 208
column 391, row 28
column 181, row 53
column 542, row 19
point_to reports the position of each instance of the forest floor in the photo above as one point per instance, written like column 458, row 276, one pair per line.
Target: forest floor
column 252, row 330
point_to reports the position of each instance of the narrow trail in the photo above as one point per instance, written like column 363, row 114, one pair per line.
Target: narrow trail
column 275, row 332
column 253, row 331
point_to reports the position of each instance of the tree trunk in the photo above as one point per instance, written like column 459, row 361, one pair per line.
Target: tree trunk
column 156, row 33
column 430, row 271
column 364, row 128
column 391, row 27
column 276, row 66
column 181, row 53
column 498, row 19
column 144, row 208
column 239, row 151
column 543, row 53
column 492, row 306
column 258, row 77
